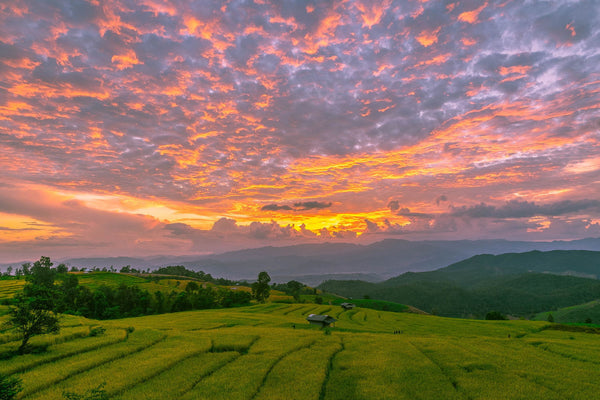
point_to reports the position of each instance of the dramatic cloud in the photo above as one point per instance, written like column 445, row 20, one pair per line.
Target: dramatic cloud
column 336, row 120
column 300, row 206
column 275, row 207
column 526, row 209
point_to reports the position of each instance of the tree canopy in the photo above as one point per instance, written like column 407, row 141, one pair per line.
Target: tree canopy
column 261, row 289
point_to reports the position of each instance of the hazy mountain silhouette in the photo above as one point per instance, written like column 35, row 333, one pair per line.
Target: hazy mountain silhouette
column 379, row 260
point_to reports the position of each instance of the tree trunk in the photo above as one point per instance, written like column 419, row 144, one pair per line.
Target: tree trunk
column 23, row 345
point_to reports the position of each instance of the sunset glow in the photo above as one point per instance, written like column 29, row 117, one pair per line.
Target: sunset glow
column 176, row 127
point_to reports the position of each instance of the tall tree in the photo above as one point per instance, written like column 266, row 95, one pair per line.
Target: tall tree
column 33, row 310
column 261, row 289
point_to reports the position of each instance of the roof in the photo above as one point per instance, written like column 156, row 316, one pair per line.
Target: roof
column 320, row 318
column 348, row 305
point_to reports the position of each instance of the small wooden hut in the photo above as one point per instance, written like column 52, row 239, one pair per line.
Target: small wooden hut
column 322, row 320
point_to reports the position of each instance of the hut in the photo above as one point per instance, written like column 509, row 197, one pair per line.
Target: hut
column 321, row 320
column 348, row 306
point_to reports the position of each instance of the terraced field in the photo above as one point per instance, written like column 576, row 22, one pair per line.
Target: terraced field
column 8, row 288
column 270, row 352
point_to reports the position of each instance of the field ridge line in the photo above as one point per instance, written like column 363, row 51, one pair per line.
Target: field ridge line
column 122, row 390
column 220, row 366
column 209, row 373
column 323, row 390
column 278, row 360
column 295, row 308
column 524, row 375
column 58, row 357
column 560, row 354
column 72, row 374
column 452, row 381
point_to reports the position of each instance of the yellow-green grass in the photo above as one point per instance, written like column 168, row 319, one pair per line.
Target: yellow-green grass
column 94, row 280
column 123, row 373
column 180, row 378
column 50, row 374
column 12, row 340
column 284, row 382
column 561, row 375
column 242, row 378
column 375, row 367
column 10, row 287
column 269, row 351
column 62, row 350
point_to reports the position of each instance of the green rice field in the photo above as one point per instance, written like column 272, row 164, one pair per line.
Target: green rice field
column 269, row 351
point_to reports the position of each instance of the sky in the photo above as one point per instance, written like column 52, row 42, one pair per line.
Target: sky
column 189, row 127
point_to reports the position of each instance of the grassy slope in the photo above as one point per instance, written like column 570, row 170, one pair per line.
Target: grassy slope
column 255, row 352
column 93, row 280
column 576, row 314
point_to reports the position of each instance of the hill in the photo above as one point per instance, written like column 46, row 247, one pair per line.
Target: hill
column 519, row 284
column 269, row 351
column 579, row 314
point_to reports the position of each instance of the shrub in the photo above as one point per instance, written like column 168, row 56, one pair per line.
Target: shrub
column 97, row 331
column 97, row 393
column 495, row 315
column 9, row 387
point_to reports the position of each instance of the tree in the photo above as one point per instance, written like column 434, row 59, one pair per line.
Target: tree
column 26, row 268
column 260, row 288
column 192, row 287
column 293, row 288
column 550, row 317
column 9, row 387
column 495, row 315
column 29, row 317
column 62, row 269
column 33, row 310
column 69, row 291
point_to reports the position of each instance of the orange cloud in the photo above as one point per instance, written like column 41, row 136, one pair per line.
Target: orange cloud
column 468, row 41
column 471, row 17
column 371, row 12
column 126, row 60
column 437, row 60
column 427, row 38
column 515, row 69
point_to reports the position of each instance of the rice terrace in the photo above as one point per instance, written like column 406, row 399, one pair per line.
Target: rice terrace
column 300, row 200
column 270, row 351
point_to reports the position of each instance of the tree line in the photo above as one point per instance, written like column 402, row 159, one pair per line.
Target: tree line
column 61, row 292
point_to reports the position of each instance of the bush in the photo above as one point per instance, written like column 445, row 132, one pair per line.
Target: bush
column 97, row 393
column 97, row 331
column 495, row 315
column 9, row 387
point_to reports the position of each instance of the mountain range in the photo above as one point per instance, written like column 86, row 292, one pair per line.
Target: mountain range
column 315, row 263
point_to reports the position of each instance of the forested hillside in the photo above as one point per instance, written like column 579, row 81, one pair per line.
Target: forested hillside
column 519, row 284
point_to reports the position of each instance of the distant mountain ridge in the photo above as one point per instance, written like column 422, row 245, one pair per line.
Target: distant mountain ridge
column 305, row 262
